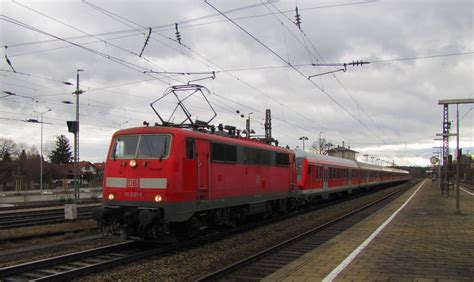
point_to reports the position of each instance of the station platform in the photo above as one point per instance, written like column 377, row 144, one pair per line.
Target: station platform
column 417, row 237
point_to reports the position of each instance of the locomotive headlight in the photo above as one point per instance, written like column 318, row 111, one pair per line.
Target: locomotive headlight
column 111, row 196
column 158, row 198
column 133, row 163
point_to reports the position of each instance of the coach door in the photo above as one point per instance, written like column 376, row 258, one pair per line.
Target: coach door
column 326, row 177
column 202, row 154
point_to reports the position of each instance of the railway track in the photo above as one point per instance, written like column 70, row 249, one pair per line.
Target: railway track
column 79, row 264
column 262, row 264
column 32, row 218
column 67, row 267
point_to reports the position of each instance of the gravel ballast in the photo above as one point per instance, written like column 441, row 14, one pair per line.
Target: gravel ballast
column 191, row 264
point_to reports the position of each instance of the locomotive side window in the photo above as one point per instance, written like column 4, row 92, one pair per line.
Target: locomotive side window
column 190, row 148
column 282, row 159
column 231, row 153
column 223, row 153
column 256, row 156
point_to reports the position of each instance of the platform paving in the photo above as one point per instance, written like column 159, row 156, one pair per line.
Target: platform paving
column 426, row 241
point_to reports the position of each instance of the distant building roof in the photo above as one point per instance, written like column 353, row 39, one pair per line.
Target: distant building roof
column 100, row 166
column 342, row 149
column 69, row 168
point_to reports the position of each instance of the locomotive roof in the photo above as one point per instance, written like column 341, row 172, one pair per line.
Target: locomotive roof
column 240, row 141
column 323, row 159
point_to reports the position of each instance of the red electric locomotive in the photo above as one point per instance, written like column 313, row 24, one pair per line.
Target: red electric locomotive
column 162, row 179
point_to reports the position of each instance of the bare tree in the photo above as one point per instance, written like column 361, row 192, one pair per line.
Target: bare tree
column 321, row 146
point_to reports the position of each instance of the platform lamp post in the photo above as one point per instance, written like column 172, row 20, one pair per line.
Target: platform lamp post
column 303, row 138
column 445, row 104
column 41, row 149
column 247, row 130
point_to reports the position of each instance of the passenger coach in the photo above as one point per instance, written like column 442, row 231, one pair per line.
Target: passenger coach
column 320, row 176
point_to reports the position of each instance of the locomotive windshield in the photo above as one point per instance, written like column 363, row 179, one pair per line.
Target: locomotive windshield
column 143, row 146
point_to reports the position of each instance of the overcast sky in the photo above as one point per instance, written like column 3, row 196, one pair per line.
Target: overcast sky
column 387, row 109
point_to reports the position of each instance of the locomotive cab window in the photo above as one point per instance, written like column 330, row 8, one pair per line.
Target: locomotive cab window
column 149, row 146
column 125, row 147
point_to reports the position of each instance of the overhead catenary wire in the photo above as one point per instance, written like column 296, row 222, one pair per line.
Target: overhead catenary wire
column 182, row 45
column 303, row 35
column 84, row 32
column 170, row 26
column 106, row 56
column 299, row 72
column 177, row 38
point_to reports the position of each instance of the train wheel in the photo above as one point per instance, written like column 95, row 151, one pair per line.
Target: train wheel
column 189, row 229
column 268, row 211
column 192, row 227
column 124, row 234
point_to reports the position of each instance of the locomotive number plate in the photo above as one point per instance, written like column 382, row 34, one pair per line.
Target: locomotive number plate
column 133, row 194
column 132, row 183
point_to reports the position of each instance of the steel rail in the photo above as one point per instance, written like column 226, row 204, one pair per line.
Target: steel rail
column 67, row 267
column 222, row 273
column 25, row 219
column 12, row 272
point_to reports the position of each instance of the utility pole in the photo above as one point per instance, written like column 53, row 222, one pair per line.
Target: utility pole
column 41, row 149
column 320, row 141
column 76, row 140
column 445, row 104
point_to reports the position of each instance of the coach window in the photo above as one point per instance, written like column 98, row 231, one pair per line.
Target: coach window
column 190, row 147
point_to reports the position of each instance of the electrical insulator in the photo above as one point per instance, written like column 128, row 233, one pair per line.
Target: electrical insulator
column 298, row 18
column 178, row 35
